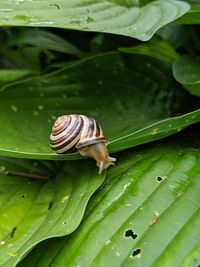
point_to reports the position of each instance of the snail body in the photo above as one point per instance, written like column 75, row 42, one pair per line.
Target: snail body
column 82, row 133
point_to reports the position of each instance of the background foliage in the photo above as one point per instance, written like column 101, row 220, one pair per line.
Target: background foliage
column 89, row 57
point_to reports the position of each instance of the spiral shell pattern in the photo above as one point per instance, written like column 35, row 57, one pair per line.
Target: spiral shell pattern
column 71, row 132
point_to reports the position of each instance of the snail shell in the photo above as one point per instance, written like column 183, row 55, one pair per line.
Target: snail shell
column 82, row 133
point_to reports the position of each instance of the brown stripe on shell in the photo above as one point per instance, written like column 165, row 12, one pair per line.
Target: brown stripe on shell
column 61, row 124
column 66, row 131
column 91, row 127
column 89, row 138
column 69, row 140
column 98, row 130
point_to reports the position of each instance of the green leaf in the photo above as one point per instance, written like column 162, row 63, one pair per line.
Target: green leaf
column 119, row 17
column 186, row 70
column 34, row 210
column 8, row 76
column 43, row 39
column 175, row 34
column 132, row 97
column 155, row 48
column 146, row 213
column 193, row 16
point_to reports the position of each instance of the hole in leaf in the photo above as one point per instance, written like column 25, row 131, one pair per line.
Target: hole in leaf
column 136, row 252
column 65, row 222
column 23, row 196
column 12, row 232
column 130, row 233
column 50, row 205
column 159, row 178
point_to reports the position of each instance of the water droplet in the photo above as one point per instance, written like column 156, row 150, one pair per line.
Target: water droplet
column 40, row 107
column 154, row 131
column 14, row 108
column 36, row 113
column 148, row 65
column 108, row 242
column 53, row 117
column 100, row 82
column 117, row 253
column 64, row 199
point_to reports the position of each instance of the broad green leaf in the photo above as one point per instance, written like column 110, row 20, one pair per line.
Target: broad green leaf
column 146, row 213
column 155, row 48
column 131, row 96
column 12, row 75
column 186, row 70
column 34, row 210
column 119, row 17
column 175, row 34
column 193, row 16
column 43, row 39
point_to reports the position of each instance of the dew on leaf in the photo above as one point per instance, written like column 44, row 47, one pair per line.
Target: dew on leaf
column 53, row 117
column 40, row 107
column 64, row 199
column 100, row 82
column 108, row 242
column 14, row 108
column 154, row 131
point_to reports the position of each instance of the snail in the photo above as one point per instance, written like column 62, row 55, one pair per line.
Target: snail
column 82, row 133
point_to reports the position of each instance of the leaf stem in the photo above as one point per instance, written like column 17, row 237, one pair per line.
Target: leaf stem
column 28, row 175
